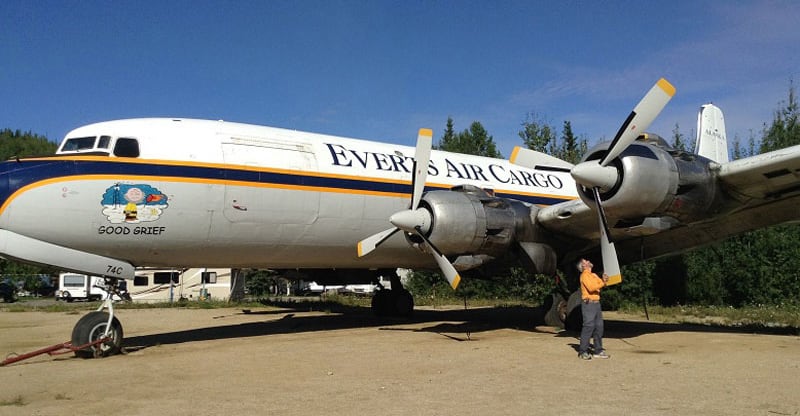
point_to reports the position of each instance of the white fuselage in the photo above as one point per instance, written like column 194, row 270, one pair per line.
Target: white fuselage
column 221, row 194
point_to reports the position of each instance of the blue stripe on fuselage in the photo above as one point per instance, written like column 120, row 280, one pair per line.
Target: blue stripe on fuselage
column 27, row 172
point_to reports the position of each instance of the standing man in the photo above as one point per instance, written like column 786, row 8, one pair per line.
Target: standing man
column 591, row 311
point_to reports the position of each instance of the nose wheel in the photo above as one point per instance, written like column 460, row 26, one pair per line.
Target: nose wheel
column 100, row 325
column 95, row 326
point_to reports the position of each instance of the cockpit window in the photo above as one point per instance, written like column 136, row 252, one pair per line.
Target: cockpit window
column 78, row 144
column 126, row 147
column 103, row 142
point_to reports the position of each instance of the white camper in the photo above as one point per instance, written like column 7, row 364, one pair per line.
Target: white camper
column 170, row 285
column 73, row 286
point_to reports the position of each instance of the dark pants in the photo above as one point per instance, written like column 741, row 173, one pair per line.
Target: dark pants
column 592, row 326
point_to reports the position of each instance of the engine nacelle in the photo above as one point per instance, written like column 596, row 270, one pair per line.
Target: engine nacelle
column 467, row 220
column 655, row 180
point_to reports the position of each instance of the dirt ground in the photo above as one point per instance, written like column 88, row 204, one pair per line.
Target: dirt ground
column 489, row 361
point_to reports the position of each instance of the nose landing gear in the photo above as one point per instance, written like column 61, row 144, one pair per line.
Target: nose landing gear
column 99, row 324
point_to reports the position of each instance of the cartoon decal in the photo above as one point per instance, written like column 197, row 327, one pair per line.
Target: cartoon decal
column 133, row 204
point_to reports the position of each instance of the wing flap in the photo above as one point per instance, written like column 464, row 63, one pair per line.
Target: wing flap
column 771, row 175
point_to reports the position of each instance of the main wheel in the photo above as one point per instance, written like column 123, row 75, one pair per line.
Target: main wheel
column 574, row 318
column 403, row 304
column 380, row 303
column 555, row 307
column 91, row 328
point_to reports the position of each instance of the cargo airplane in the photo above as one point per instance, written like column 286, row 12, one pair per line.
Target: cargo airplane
column 170, row 192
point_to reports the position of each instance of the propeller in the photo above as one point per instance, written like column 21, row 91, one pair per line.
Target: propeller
column 415, row 220
column 598, row 176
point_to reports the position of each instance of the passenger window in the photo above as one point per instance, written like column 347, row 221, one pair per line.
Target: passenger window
column 126, row 147
column 103, row 142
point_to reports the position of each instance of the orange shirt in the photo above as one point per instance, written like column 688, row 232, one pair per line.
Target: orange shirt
column 590, row 285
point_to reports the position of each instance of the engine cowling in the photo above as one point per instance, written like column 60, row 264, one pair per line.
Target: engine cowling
column 655, row 180
column 468, row 220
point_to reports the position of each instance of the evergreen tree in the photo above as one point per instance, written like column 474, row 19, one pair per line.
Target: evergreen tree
column 678, row 140
column 448, row 140
column 538, row 135
column 784, row 130
column 473, row 141
column 18, row 144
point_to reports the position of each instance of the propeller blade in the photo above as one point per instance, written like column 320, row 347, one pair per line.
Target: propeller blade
column 447, row 268
column 537, row 160
column 640, row 118
column 607, row 249
column 422, row 156
column 370, row 243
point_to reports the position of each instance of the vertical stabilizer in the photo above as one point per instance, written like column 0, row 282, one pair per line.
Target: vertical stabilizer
column 712, row 142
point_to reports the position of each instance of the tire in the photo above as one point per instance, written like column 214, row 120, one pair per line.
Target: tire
column 574, row 319
column 393, row 303
column 555, row 307
column 404, row 304
column 380, row 303
column 90, row 328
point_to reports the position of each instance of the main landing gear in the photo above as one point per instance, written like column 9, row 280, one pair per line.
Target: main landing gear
column 562, row 307
column 100, row 330
column 396, row 301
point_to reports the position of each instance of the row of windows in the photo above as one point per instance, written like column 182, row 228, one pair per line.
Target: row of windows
column 123, row 147
column 164, row 278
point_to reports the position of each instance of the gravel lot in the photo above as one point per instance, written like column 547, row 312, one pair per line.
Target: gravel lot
column 486, row 361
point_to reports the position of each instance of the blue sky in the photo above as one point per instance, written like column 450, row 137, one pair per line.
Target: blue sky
column 380, row 70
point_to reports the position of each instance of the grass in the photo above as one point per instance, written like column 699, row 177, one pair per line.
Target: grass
column 759, row 315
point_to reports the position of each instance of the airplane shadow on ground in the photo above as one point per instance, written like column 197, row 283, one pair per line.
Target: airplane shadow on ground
column 456, row 324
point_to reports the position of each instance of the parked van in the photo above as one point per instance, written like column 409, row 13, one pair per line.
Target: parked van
column 73, row 286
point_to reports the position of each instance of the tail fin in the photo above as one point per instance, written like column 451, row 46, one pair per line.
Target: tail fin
column 712, row 143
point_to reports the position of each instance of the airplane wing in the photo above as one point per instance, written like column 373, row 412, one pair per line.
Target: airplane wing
column 750, row 193
column 767, row 176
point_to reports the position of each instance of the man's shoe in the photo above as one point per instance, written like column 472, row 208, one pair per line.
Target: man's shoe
column 602, row 354
column 584, row 356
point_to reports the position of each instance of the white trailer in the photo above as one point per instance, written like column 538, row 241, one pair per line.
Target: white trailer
column 171, row 285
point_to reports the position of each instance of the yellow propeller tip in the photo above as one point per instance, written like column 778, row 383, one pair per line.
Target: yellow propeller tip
column 666, row 87
column 613, row 280
column 426, row 132
column 456, row 281
column 514, row 153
